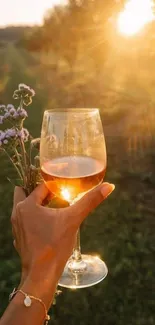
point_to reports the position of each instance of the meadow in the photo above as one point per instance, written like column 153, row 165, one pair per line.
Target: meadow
column 121, row 230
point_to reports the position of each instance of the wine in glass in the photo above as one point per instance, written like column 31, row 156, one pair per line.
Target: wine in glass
column 73, row 161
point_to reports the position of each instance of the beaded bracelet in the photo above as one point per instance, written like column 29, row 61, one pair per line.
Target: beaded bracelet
column 28, row 302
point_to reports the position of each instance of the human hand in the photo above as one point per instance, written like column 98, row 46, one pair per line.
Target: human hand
column 44, row 237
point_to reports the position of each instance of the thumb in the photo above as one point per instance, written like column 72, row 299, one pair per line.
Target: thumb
column 19, row 195
column 91, row 200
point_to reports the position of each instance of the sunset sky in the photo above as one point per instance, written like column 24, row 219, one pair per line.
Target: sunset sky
column 15, row 12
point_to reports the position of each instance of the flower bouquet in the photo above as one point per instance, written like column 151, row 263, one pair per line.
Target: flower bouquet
column 17, row 143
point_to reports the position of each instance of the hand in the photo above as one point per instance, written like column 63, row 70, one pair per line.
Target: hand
column 45, row 237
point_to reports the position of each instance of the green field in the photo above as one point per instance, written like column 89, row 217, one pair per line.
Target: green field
column 121, row 230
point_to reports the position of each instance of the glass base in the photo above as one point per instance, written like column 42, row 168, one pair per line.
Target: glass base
column 95, row 271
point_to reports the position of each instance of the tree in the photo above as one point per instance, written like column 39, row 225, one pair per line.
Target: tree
column 78, row 27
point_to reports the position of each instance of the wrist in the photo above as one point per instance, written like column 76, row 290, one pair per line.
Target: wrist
column 41, row 282
column 24, row 275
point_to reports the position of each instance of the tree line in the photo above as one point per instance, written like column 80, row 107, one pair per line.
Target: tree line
column 72, row 30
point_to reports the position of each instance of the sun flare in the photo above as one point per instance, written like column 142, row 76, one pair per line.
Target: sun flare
column 136, row 15
column 65, row 194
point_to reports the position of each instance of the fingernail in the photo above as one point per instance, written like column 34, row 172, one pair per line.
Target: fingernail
column 107, row 189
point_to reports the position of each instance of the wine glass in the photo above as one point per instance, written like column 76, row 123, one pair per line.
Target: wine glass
column 73, row 161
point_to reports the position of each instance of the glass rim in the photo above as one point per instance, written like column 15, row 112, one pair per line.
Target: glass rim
column 72, row 110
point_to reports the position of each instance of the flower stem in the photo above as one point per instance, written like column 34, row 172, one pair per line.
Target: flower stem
column 25, row 162
column 19, row 162
column 18, row 171
column 24, row 154
column 21, row 103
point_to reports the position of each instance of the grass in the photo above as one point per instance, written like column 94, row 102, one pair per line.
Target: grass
column 121, row 230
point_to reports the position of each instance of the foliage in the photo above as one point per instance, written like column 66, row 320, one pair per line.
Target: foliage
column 85, row 24
column 11, row 33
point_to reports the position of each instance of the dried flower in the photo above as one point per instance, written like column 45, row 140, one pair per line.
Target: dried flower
column 9, row 107
column 8, row 137
column 36, row 143
column 6, row 115
column 22, row 112
column 23, row 134
column 12, row 141
column 10, row 133
column 24, row 93
column 12, row 115
column 11, row 136
column 12, row 111
column 25, row 87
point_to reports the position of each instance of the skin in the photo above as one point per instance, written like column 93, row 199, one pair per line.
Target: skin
column 44, row 239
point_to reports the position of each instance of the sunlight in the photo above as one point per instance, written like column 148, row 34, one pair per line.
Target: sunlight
column 136, row 15
column 65, row 194
column 27, row 12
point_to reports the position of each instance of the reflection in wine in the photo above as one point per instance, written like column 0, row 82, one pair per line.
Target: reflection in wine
column 70, row 177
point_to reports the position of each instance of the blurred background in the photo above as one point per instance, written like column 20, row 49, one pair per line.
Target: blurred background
column 92, row 53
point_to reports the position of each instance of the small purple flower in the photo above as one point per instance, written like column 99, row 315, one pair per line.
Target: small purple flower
column 6, row 115
column 15, row 116
column 10, row 133
column 8, row 137
column 10, row 106
column 2, row 135
column 23, row 134
column 23, row 113
column 19, row 134
column 12, row 111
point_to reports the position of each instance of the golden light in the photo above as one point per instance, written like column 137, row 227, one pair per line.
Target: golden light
column 24, row 15
column 65, row 194
column 97, row 257
column 136, row 15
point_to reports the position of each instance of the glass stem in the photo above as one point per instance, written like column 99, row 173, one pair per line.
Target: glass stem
column 77, row 248
column 76, row 264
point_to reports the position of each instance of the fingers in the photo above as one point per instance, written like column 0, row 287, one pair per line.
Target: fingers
column 39, row 194
column 107, row 189
column 91, row 200
column 19, row 195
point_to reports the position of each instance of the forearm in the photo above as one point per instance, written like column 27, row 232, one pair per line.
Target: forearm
column 40, row 284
